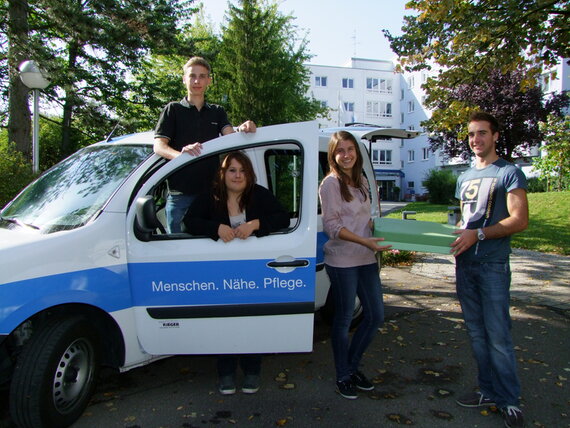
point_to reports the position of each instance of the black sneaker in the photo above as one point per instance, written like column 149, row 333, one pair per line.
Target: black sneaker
column 513, row 416
column 347, row 389
column 475, row 399
column 250, row 384
column 360, row 381
column 227, row 385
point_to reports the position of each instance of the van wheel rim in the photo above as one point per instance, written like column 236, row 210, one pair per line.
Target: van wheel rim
column 72, row 375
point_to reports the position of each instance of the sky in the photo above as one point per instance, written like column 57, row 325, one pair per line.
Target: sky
column 337, row 30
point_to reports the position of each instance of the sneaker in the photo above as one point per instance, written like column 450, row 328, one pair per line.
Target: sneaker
column 347, row 389
column 360, row 381
column 475, row 399
column 250, row 384
column 227, row 385
column 513, row 416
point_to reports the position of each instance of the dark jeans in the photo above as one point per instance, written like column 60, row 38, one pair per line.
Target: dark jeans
column 483, row 291
column 346, row 284
column 250, row 364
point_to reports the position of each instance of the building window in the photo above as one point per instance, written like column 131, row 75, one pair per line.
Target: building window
column 372, row 84
column 411, row 184
column 382, row 157
column 425, row 152
column 401, row 117
column 411, row 82
column 348, row 106
column 378, row 109
column 347, row 83
column 411, row 106
column 401, row 94
column 385, row 86
column 320, row 81
column 324, row 104
column 411, row 156
column 411, row 127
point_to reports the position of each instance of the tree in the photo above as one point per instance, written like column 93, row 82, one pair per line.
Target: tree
column 519, row 111
column 88, row 48
column 260, row 69
column 554, row 165
column 440, row 184
column 469, row 38
column 159, row 78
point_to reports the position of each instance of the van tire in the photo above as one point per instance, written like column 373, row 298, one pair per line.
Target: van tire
column 62, row 349
column 327, row 312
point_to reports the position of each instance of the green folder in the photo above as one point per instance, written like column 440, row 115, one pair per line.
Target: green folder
column 414, row 235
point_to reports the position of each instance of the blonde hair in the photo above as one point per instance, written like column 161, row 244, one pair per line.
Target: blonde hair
column 197, row 60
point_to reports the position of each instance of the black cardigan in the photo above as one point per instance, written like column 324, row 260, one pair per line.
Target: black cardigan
column 204, row 217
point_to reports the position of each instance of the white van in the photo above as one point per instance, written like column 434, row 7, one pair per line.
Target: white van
column 90, row 277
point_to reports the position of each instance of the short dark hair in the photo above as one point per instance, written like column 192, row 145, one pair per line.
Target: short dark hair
column 483, row 116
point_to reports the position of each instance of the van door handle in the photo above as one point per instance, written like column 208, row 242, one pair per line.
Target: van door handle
column 289, row 263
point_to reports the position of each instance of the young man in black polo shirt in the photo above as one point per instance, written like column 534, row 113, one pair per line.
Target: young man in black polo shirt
column 182, row 128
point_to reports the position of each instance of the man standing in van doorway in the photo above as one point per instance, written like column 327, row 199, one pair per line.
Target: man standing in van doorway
column 182, row 128
column 494, row 206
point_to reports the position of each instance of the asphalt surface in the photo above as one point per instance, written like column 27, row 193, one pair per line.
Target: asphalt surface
column 420, row 363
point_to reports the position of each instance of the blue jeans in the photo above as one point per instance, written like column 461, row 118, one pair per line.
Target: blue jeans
column 249, row 363
column 346, row 284
column 175, row 209
column 483, row 291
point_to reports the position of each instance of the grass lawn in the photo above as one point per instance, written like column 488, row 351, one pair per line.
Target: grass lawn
column 548, row 230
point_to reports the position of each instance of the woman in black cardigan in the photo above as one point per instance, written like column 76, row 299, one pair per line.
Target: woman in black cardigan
column 236, row 208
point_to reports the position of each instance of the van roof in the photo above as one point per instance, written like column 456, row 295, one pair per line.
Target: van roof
column 372, row 132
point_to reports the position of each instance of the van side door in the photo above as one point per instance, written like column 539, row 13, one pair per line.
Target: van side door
column 194, row 295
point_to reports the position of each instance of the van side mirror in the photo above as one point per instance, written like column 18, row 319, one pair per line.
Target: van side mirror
column 146, row 222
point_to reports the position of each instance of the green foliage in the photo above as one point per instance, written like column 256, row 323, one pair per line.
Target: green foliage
column 89, row 50
column 554, row 165
column 398, row 258
column 470, row 38
column 537, row 185
column 15, row 171
column 260, row 68
column 440, row 184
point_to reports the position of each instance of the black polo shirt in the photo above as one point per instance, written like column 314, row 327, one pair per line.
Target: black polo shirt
column 182, row 124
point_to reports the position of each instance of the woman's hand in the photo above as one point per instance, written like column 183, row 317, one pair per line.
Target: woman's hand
column 226, row 233
column 372, row 243
column 245, row 230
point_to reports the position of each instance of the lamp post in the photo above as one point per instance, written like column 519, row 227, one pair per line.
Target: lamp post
column 33, row 78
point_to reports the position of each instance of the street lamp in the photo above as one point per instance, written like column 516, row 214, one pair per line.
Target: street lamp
column 33, row 78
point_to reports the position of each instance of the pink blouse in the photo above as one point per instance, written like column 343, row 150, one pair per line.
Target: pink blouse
column 353, row 215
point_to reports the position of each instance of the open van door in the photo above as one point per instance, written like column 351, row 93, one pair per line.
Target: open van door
column 193, row 295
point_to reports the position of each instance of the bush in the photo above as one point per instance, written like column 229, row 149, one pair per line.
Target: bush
column 398, row 258
column 440, row 184
column 537, row 185
column 15, row 172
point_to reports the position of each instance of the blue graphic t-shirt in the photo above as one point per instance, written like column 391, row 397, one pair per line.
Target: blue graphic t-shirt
column 483, row 193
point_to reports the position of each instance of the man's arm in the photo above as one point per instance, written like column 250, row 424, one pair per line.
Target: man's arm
column 517, row 221
column 162, row 148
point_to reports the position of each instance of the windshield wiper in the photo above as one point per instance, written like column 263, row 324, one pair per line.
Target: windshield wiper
column 19, row 222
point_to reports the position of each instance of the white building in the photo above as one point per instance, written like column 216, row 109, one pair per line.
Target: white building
column 372, row 92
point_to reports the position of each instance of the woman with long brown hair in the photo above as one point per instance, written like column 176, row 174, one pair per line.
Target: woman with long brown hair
column 350, row 260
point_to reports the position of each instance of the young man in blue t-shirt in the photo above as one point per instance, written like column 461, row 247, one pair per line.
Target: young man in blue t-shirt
column 494, row 206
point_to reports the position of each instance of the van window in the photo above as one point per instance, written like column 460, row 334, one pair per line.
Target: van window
column 74, row 191
column 284, row 175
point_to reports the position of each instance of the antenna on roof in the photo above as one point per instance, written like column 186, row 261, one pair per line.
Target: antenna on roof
column 112, row 132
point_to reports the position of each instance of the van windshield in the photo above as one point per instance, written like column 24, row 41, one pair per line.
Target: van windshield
column 68, row 195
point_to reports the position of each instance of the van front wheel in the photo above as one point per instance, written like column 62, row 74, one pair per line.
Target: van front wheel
column 55, row 375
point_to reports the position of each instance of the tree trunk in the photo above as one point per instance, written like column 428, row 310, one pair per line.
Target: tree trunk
column 19, row 120
column 67, row 146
